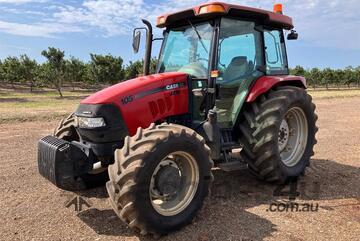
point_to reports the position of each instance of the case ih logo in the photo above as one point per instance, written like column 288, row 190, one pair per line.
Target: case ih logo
column 172, row 86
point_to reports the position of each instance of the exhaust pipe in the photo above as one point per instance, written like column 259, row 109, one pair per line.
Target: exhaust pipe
column 149, row 40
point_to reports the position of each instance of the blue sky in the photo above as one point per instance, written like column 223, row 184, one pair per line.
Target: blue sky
column 329, row 29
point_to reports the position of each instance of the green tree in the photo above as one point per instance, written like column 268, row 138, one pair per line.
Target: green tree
column 135, row 69
column 75, row 71
column 43, row 75
column 106, row 68
column 11, row 69
column 339, row 77
column 298, row 71
column 328, row 77
column 314, row 77
column 357, row 76
column 55, row 68
column 2, row 79
column 28, row 70
column 349, row 76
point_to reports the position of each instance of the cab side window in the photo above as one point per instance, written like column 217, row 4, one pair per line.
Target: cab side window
column 239, row 51
column 275, row 53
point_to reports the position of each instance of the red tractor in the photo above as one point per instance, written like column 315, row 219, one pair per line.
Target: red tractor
column 222, row 96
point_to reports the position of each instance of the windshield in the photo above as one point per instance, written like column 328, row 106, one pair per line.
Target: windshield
column 186, row 49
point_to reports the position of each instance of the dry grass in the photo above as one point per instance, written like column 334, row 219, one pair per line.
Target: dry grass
column 21, row 106
column 334, row 93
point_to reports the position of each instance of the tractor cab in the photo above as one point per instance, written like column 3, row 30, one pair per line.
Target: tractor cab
column 224, row 49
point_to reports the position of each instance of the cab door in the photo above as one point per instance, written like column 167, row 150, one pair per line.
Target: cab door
column 240, row 52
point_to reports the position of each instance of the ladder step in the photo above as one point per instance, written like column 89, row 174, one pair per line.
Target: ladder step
column 230, row 145
column 233, row 166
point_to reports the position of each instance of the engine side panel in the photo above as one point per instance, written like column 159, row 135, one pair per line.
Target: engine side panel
column 265, row 83
column 147, row 99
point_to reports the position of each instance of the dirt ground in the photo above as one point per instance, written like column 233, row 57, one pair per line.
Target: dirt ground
column 237, row 209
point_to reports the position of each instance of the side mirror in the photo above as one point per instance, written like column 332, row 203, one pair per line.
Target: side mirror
column 293, row 35
column 136, row 41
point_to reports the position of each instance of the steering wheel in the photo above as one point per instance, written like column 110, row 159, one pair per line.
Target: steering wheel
column 195, row 69
column 202, row 59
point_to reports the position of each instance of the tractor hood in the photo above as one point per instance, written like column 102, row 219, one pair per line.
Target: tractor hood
column 146, row 99
column 115, row 94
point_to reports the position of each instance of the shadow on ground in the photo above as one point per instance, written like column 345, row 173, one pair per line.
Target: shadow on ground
column 19, row 100
column 105, row 222
column 80, row 97
column 233, row 193
column 97, row 192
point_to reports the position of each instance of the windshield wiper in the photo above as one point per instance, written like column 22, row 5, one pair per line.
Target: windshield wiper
column 198, row 34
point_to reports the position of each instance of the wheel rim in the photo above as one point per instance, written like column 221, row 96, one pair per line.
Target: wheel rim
column 174, row 183
column 293, row 134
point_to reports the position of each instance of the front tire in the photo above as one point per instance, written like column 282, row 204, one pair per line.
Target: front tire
column 66, row 129
column 278, row 134
column 160, row 178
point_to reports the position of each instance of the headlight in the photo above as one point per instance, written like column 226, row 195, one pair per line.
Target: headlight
column 90, row 123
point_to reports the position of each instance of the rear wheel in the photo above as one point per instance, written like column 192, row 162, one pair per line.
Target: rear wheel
column 66, row 131
column 160, row 178
column 278, row 134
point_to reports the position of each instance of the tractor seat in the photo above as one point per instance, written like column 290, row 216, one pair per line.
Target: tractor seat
column 239, row 66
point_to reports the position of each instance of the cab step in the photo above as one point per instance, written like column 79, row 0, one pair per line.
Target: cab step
column 233, row 166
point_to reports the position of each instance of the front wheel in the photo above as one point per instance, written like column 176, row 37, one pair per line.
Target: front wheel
column 160, row 178
column 278, row 134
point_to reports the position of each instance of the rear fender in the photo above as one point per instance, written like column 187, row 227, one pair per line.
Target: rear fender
column 265, row 83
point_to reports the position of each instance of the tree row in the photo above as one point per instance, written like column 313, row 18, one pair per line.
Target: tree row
column 109, row 69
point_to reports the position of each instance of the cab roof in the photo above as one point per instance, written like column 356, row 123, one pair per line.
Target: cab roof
column 216, row 9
